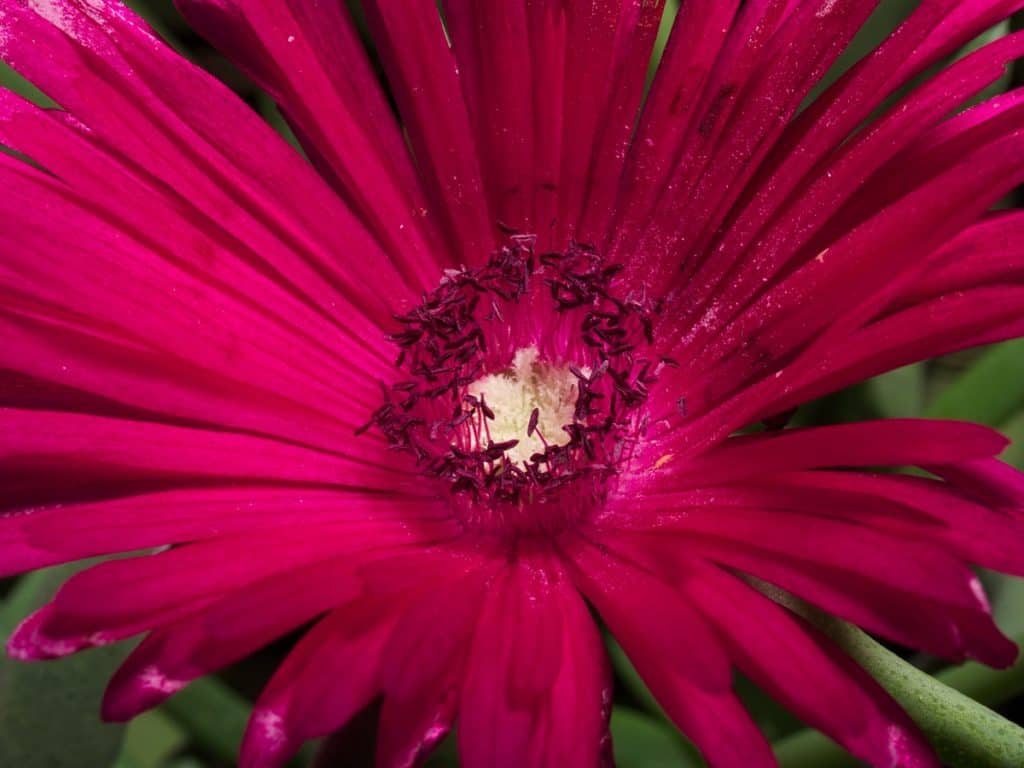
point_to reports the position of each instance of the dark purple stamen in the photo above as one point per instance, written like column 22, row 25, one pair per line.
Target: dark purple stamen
column 534, row 418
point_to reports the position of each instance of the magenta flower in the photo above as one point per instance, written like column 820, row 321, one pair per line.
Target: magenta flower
column 467, row 374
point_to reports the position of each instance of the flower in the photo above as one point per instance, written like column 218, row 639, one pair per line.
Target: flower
column 458, row 379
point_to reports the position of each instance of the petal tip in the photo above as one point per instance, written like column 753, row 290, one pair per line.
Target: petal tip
column 266, row 743
column 29, row 641
column 127, row 697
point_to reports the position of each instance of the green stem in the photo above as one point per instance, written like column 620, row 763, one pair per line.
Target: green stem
column 965, row 733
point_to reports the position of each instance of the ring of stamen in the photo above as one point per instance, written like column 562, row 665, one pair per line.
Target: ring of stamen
column 486, row 411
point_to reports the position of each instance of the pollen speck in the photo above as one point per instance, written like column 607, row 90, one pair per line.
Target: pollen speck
column 661, row 462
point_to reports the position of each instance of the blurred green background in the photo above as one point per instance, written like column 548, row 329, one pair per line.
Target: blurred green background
column 49, row 712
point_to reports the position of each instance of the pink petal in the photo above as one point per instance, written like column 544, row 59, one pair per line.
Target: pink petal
column 913, row 507
column 491, row 43
column 63, row 271
column 647, row 615
column 991, row 481
column 39, row 537
column 422, row 669
column 70, row 361
column 710, row 715
column 747, row 111
column 188, row 233
column 849, row 286
column 989, row 252
column 629, row 60
column 355, row 644
column 535, row 690
column 423, row 78
column 144, row 592
column 710, row 52
column 219, row 632
column 946, row 324
column 918, row 566
column 410, row 728
column 826, row 123
column 310, row 59
column 802, row 670
column 147, row 90
column 873, row 443
column 744, row 267
column 948, row 626
column 96, row 452
column 327, row 678
column 577, row 711
column 495, row 725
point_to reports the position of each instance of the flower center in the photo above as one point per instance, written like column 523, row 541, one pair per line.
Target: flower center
column 524, row 386
column 531, row 401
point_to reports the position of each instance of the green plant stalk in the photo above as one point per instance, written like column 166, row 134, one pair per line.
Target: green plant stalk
column 964, row 732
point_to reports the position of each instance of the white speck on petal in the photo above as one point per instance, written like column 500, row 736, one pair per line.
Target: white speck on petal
column 979, row 593
column 151, row 677
column 272, row 725
column 54, row 12
column 826, row 9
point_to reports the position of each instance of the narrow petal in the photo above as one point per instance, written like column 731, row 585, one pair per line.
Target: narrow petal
column 39, row 537
column 989, row 480
column 153, row 591
column 237, row 252
column 491, row 44
column 149, row 91
column 803, row 671
column 536, row 686
column 65, row 266
column 310, row 59
column 826, row 124
column 361, row 643
column 691, row 681
column 852, row 285
column 220, row 632
column 496, row 722
column 646, row 615
column 422, row 669
column 631, row 54
column 918, row 567
column 327, row 678
column 910, row 508
column 989, row 252
column 893, row 442
column 959, row 320
column 749, row 114
column 737, row 260
column 423, row 77
column 950, row 627
column 779, row 51
column 579, row 705
column 105, row 456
